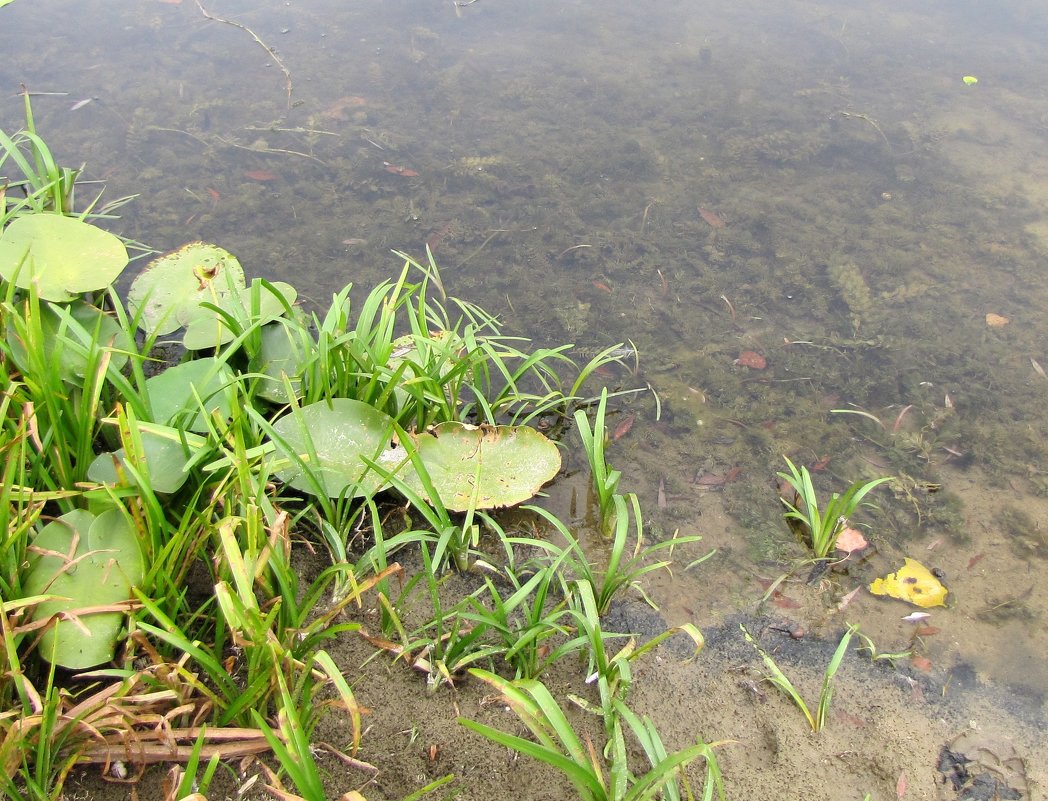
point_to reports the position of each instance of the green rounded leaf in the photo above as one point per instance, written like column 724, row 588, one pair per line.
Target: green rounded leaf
column 334, row 439
column 207, row 328
column 287, row 347
column 484, row 467
column 61, row 256
column 66, row 335
column 173, row 394
column 85, row 561
column 163, row 459
column 171, row 287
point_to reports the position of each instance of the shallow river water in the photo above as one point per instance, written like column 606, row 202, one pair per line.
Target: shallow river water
column 789, row 208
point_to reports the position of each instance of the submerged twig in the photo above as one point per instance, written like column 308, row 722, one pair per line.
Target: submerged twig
column 568, row 250
column 272, row 53
column 730, row 307
column 871, row 121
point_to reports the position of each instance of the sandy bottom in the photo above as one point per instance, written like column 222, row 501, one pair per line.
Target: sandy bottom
column 961, row 719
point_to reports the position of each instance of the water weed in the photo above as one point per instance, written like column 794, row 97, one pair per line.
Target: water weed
column 787, row 688
column 605, row 480
column 210, row 473
column 623, row 567
column 595, row 778
column 822, row 526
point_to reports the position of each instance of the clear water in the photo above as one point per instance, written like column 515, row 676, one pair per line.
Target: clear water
column 810, row 181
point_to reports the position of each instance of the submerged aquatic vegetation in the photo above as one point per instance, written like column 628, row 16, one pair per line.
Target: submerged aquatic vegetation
column 775, row 675
column 594, row 777
column 822, row 526
column 189, row 470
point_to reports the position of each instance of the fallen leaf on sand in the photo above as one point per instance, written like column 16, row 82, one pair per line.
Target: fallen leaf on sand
column 912, row 582
column 623, row 428
column 996, row 320
column 851, row 540
column 847, row 599
column 921, row 663
column 901, row 786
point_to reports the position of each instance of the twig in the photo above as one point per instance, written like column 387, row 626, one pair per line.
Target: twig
column 870, row 120
column 568, row 250
column 231, row 143
column 272, row 53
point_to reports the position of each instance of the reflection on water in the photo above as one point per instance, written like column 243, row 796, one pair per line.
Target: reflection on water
column 809, row 182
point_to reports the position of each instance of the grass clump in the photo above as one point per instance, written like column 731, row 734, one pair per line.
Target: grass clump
column 821, row 524
column 775, row 675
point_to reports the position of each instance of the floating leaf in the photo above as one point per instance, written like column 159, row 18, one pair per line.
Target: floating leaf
column 206, row 328
column 62, row 256
column 176, row 390
column 286, row 349
column 68, row 332
column 484, row 467
column 164, row 458
column 171, row 287
column 334, row 438
column 913, row 582
column 85, row 561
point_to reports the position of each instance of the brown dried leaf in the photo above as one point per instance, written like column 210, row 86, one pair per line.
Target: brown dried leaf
column 851, row 540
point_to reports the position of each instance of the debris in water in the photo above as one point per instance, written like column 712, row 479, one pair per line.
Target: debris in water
column 851, row 540
column 996, row 320
column 623, row 428
column 913, row 617
column 914, row 583
column 396, row 169
column 751, row 359
column 923, row 664
column 847, row 599
column 712, row 218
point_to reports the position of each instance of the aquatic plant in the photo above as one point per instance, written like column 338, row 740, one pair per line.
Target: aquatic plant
column 605, row 481
column 595, row 778
column 787, row 688
column 823, row 526
column 204, row 473
column 623, row 568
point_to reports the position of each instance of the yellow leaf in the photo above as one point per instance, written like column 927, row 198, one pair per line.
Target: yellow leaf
column 996, row 320
column 912, row 582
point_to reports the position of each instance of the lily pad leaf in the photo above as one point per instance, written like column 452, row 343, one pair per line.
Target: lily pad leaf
column 207, row 328
column 163, row 460
column 171, row 287
column 484, row 467
column 62, row 256
column 173, row 394
column 85, row 562
column 329, row 443
column 68, row 333
column 286, row 349
column 912, row 582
